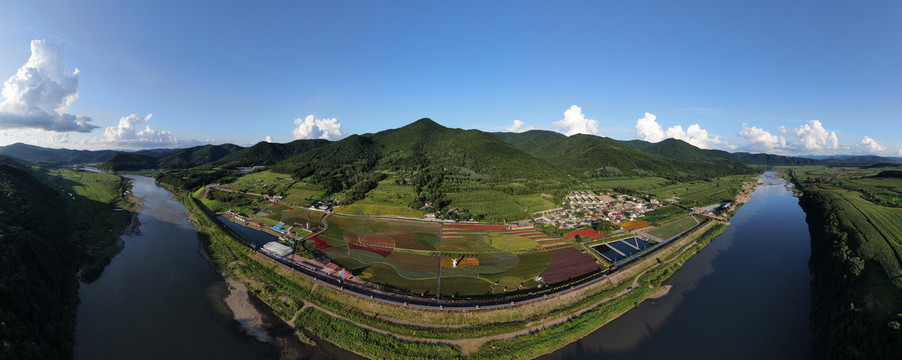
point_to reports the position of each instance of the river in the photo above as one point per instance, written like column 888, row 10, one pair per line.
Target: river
column 161, row 299
column 745, row 296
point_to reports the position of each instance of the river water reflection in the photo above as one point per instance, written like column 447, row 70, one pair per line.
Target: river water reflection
column 745, row 296
column 161, row 299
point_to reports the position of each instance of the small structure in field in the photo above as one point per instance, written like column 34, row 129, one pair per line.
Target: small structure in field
column 277, row 249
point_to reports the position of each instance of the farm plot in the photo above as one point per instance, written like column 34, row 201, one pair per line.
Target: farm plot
column 475, row 259
column 673, row 229
column 567, row 264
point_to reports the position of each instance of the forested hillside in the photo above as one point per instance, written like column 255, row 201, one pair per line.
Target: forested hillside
column 592, row 156
column 38, row 288
column 266, row 153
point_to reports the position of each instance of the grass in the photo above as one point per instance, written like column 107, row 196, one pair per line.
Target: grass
column 663, row 215
column 670, row 230
column 91, row 213
column 388, row 198
column 492, row 205
column 511, row 243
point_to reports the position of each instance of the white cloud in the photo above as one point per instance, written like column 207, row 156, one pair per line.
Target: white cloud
column 133, row 131
column 648, row 129
column 313, row 127
column 762, row 139
column 812, row 136
column 517, row 127
column 574, row 122
column 40, row 93
column 268, row 138
column 870, row 146
column 60, row 138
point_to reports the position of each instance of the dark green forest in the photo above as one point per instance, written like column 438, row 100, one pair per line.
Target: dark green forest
column 38, row 287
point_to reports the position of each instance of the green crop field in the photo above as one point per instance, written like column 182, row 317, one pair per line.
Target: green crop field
column 670, row 230
column 663, row 215
column 494, row 205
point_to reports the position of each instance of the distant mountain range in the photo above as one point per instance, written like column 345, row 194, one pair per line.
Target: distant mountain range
column 536, row 155
column 831, row 160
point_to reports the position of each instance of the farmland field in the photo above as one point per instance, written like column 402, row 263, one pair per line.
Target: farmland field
column 476, row 260
column 670, row 230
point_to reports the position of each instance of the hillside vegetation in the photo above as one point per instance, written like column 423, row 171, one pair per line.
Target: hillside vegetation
column 855, row 220
column 38, row 289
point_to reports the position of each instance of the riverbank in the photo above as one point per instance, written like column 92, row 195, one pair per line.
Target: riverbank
column 856, row 299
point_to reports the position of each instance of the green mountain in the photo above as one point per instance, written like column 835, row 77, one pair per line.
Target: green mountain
column 264, row 153
column 38, row 288
column 196, row 156
column 424, row 144
column 595, row 156
column 178, row 159
column 37, row 154
column 691, row 157
column 532, row 139
column 128, row 161
column 774, row 160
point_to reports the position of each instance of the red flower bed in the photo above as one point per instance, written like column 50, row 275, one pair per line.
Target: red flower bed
column 567, row 264
column 381, row 251
column 322, row 245
column 584, row 233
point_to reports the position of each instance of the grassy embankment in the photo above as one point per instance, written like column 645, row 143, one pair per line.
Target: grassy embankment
column 856, row 252
column 287, row 293
column 92, row 215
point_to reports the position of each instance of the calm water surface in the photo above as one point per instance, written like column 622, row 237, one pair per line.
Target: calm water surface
column 745, row 296
column 161, row 299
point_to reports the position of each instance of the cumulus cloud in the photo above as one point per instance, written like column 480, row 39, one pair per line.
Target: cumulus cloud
column 60, row 138
column 40, row 93
column 812, row 136
column 762, row 139
column 574, row 122
column 134, row 131
column 648, row 129
column 870, row 146
column 268, row 138
column 313, row 127
column 517, row 127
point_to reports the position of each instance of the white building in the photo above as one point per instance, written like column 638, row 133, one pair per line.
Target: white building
column 277, row 249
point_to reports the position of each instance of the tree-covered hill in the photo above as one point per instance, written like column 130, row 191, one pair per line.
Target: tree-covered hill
column 196, row 156
column 591, row 156
column 265, row 153
column 37, row 154
column 38, row 288
column 774, row 160
column 178, row 159
column 423, row 144
column 691, row 157
column 532, row 139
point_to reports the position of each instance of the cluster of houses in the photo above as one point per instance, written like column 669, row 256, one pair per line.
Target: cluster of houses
column 583, row 208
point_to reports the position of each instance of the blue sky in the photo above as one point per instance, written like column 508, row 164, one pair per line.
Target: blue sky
column 802, row 78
